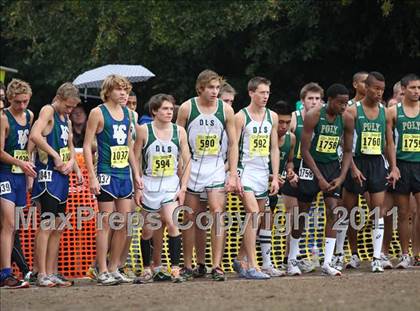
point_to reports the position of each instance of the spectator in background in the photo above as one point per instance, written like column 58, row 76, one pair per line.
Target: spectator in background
column 397, row 95
column 227, row 93
column 78, row 119
column 132, row 101
column 146, row 117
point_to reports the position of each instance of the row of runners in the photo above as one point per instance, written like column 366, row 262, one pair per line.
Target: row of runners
column 210, row 151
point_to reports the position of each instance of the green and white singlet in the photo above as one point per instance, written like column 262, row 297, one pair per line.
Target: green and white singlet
column 254, row 154
column 205, row 132
column 160, row 168
column 160, row 158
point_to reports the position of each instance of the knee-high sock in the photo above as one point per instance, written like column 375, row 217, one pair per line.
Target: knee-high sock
column 378, row 236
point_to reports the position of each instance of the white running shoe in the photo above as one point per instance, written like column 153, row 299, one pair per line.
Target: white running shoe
column 256, row 274
column 147, row 277
column 121, row 278
column 386, row 263
column 306, row 266
column 293, row 268
column 404, row 263
column 273, row 272
column 44, row 281
column 59, row 282
column 354, row 262
column 338, row 262
column 327, row 269
column 377, row 265
column 106, row 279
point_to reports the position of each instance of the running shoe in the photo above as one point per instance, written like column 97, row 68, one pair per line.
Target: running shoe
column 128, row 272
column 416, row 261
column 12, row 282
column 327, row 269
column 187, row 273
column 404, row 262
column 217, row 274
column 256, row 274
column 106, row 279
column 386, row 263
column 44, row 281
column 58, row 281
column 31, row 277
column 338, row 262
column 354, row 262
column 92, row 273
column 145, row 277
column 161, row 274
column 377, row 265
column 200, row 271
column 176, row 275
column 121, row 278
column 273, row 272
column 306, row 266
column 293, row 268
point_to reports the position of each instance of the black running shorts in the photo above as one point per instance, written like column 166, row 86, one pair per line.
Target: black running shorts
column 374, row 169
column 308, row 183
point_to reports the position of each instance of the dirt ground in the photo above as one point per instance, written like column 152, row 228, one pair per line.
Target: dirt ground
column 355, row 290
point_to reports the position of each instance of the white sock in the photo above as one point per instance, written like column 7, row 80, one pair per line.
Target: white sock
column 294, row 248
column 377, row 237
column 265, row 243
column 341, row 238
column 329, row 250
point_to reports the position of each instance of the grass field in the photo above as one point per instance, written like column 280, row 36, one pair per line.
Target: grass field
column 355, row 290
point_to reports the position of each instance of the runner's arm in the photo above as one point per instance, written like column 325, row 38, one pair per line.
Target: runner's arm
column 45, row 117
column 183, row 113
column 185, row 158
column 274, row 148
column 92, row 126
column 311, row 120
column 232, row 141
column 347, row 144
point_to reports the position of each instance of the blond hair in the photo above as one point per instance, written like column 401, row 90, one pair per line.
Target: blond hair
column 227, row 88
column 112, row 82
column 17, row 87
column 67, row 90
column 204, row 78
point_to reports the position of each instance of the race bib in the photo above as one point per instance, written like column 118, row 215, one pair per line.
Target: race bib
column 411, row 143
column 44, row 176
column 104, row 179
column 20, row 155
column 119, row 156
column 371, row 143
column 306, row 174
column 5, row 187
column 327, row 144
column 259, row 145
column 207, row 144
column 163, row 165
column 65, row 154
